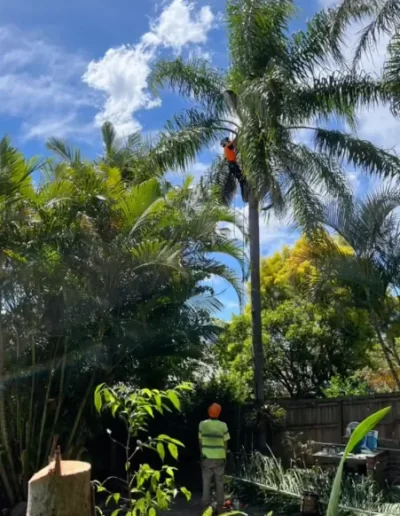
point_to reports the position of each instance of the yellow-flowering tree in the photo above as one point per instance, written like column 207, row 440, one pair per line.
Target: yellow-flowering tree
column 310, row 333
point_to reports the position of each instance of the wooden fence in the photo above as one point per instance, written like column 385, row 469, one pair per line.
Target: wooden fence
column 326, row 420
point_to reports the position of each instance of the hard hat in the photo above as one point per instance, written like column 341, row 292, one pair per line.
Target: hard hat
column 214, row 410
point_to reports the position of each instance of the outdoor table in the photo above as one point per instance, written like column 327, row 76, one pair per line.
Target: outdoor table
column 373, row 463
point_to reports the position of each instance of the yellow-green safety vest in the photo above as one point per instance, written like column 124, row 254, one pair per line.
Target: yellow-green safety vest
column 213, row 434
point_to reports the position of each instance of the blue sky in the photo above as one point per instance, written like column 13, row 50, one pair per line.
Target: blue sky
column 65, row 67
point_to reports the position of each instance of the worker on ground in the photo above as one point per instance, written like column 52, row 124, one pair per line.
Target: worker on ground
column 231, row 157
column 213, row 437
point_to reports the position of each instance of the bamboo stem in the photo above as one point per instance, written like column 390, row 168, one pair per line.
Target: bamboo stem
column 6, row 483
column 3, row 420
column 60, row 395
column 79, row 415
column 19, row 422
column 29, row 424
column 44, row 415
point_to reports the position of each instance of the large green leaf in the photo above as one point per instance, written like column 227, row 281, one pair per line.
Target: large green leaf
column 361, row 431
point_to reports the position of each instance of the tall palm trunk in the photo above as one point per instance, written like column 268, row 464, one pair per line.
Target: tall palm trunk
column 258, row 355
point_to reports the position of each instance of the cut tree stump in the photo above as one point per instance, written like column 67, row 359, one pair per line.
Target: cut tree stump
column 62, row 488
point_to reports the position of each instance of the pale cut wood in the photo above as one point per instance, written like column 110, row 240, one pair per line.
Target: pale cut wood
column 62, row 488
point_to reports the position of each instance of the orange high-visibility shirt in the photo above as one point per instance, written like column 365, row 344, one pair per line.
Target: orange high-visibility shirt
column 230, row 153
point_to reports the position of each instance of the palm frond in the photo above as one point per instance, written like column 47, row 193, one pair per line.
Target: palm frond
column 305, row 202
column 338, row 95
column 136, row 203
column 370, row 226
column 255, row 156
column 135, row 143
column 222, row 180
column 299, row 191
column 204, row 301
column 347, row 12
column 222, row 271
column 153, row 253
column 185, row 136
column 322, row 172
column 312, row 47
column 392, row 72
column 195, row 80
column 386, row 19
column 64, row 151
column 257, row 32
column 360, row 153
column 109, row 135
column 15, row 172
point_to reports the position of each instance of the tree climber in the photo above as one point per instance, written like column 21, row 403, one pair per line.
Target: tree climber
column 230, row 154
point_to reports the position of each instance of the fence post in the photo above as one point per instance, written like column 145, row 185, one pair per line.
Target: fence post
column 341, row 422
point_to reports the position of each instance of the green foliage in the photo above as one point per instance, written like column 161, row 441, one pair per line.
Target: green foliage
column 370, row 270
column 361, row 431
column 346, row 387
column 101, row 280
column 280, row 488
column 266, row 472
column 146, row 490
column 307, row 338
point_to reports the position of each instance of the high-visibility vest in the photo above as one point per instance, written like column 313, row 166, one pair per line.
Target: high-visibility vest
column 213, row 434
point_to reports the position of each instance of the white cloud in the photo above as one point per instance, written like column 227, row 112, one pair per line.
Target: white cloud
column 179, row 25
column 67, row 127
column 274, row 232
column 123, row 73
column 198, row 170
column 380, row 127
column 199, row 52
column 39, row 82
column 354, row 178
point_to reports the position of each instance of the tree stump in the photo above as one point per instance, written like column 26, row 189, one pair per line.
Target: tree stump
column 62, row 488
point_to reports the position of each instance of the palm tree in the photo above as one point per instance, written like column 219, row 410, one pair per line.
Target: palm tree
column 267, row 96
column 382, row 17
column 372, row 270
column 132, row 155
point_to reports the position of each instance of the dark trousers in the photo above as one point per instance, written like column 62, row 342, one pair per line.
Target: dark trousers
column 236, row 171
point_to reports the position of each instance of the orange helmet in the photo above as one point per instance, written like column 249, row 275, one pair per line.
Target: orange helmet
column 214, row 410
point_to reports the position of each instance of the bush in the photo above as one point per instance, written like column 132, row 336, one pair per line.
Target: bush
column 146, row 490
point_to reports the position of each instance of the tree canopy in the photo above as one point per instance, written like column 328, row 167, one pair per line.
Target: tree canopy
column 309, row 336
column 100, row 280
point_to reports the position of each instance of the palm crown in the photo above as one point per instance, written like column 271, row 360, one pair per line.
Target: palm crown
column 272, row 81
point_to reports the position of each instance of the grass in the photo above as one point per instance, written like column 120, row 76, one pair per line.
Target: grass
column 282, row 489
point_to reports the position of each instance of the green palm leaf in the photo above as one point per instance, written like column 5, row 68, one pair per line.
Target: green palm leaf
column 359, row 153
column 195, row 79
column 64, row 151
